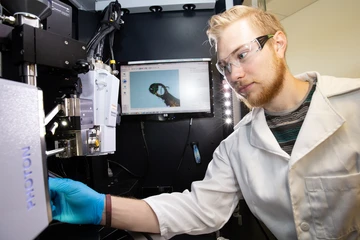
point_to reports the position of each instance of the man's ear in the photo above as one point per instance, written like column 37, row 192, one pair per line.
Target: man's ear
column 280, row 43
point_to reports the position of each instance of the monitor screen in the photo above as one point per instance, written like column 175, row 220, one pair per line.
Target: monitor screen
column 166, row 89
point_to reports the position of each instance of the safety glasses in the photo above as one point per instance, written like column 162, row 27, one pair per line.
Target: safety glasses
column 242, row 54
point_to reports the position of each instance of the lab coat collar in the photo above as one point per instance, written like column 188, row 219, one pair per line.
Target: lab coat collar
column 321, row 121
column 331, row 86
column 261, row 135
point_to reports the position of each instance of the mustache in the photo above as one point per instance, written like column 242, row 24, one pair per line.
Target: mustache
column 236, row 85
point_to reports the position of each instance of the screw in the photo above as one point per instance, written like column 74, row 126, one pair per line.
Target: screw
column 83, row 47
column 22, row 52
column 66, row 62
column 66, row 42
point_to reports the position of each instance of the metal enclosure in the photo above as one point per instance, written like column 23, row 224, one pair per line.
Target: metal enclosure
column 23, row 181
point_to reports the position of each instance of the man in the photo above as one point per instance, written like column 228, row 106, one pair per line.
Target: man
column 295, row 158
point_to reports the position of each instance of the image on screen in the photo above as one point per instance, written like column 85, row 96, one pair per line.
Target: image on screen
column 176, row 88
column 154, row 89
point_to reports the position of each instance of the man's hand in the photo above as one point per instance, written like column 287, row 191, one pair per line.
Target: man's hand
column 74, row 202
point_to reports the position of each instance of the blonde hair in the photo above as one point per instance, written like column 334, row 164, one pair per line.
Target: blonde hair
column 266, row 22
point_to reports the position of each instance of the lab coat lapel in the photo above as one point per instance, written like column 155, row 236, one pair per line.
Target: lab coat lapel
column 261, row 136
column 320, row 122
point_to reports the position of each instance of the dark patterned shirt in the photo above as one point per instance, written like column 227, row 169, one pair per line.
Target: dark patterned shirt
column 286, row 127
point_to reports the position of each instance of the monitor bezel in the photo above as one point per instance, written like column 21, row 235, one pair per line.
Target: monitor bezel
column 176, row 115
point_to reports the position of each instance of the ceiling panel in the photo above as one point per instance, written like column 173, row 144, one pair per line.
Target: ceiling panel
column 282, row 8
column 287, row 7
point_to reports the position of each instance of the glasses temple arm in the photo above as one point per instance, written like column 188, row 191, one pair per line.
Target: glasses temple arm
column 263, row 39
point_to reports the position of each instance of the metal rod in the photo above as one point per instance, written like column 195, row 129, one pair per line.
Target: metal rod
column 28, row 72
column 55, row 151
column 52, row 114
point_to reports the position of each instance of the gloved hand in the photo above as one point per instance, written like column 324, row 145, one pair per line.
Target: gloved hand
column 74, row 202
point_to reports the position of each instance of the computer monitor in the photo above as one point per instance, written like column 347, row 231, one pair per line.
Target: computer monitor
column 163, row 90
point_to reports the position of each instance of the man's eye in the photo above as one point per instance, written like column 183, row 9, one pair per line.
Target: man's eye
column 222, row 65
column 242, row 55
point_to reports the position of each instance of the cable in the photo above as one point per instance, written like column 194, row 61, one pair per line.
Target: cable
column 92, row 40
column 111, row 21
column 62, row 168
column 147, row 236
column 99, row 50
column 127, row 170
column 183, row 153
column 97, row 41
column 111, row 44
column 186, row 144
column 142, row 126
column 144, row 139
column 54, row 175
column 87, row 169
column 123, row 193
column 56, row 223
column 147, row 156
column 109, row 234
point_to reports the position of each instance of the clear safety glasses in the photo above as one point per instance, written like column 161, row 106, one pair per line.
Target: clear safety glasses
column 242, row 54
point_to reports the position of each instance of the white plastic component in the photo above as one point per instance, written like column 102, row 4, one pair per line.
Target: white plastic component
column 102, row 88
column 108, row 140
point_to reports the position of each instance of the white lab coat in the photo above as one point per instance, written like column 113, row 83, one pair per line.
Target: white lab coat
column 312, row 194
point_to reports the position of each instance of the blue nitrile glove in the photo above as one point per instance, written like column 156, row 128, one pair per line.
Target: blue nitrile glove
column 74, row 202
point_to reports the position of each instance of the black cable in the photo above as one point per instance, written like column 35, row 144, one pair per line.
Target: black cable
column 56, row 223
column 127, row 170
column 91, row 42
column 111, row 20
column 100, row 49
column 54, row 175
column 147, row 236
column 111, row 44
column 88, row 169
column 142, row 126
column 109, row 234
column 62, row 168
column 101, row 36
column 186, row 144
column 183, row 153
column 100, row 29
column 123, row 193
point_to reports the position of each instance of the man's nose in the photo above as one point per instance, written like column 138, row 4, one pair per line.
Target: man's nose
column 237, row 73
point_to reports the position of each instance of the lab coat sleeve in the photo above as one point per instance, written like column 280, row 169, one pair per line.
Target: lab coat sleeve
column 204, row 209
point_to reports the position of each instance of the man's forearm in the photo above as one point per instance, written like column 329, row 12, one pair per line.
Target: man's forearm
column 132, row 214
